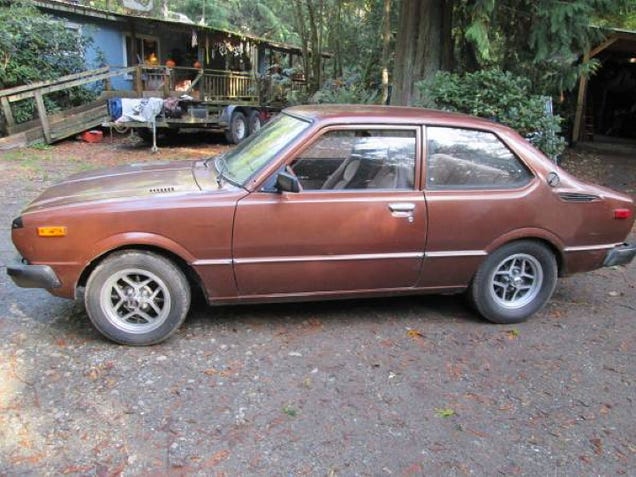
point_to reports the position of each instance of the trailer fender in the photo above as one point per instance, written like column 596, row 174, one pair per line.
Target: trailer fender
column 226, row 114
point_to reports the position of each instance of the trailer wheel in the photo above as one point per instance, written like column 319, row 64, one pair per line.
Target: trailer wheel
column 145, row 134
column 238, row 128
column 254, row 121
column 121, row 129
column 163, row 134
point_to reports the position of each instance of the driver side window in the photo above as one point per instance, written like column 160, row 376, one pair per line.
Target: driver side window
column 358, row 159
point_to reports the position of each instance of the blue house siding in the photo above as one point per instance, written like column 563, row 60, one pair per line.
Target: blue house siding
column 106, row 48
column 109, row 40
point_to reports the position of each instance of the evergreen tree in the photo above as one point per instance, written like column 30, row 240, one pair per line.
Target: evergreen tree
column 36, row 47
column 540, row 39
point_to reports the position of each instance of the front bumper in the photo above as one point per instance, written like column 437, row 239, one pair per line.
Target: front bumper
column 33, row 276
column 620, row 255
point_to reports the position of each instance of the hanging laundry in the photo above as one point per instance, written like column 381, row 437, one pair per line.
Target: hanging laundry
column 195, row 40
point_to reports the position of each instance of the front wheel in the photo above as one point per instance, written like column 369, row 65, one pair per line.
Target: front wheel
column 137, row 298
column 514, row 282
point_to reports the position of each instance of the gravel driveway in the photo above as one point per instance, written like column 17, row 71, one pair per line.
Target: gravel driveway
column 398, row 387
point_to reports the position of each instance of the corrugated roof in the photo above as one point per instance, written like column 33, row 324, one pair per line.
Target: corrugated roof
column 83, row 10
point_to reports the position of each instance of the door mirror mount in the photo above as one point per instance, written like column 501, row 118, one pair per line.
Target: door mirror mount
column 286, row 182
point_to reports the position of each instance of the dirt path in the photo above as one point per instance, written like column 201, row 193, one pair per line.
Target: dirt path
column 398, row 387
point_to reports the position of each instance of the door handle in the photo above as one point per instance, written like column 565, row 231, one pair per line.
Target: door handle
column 402, row 207
column 402, row 210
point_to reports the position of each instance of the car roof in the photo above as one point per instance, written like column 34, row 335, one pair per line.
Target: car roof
column 356, row 113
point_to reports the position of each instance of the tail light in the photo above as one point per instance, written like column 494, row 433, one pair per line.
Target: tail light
column 622, row 214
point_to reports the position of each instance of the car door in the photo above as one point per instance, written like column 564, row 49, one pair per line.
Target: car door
column 358, row 223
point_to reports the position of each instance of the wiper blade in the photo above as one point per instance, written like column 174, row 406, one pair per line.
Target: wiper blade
column 221, row 167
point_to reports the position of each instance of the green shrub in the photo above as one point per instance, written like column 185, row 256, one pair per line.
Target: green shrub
column 499, row 96
column 347, row 90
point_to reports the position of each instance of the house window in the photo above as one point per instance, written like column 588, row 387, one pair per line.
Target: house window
column 141, row 50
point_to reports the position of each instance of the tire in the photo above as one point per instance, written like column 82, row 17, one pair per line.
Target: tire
column 514, row 282
column 169, row 134
column 120, row 129
column 145, row 134
column 254, row 121
column 238, row 128
column 137, row 298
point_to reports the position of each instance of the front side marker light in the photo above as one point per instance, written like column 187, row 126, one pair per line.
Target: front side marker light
column 52, row 231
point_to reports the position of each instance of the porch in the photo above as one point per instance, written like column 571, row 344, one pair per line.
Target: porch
column 216, row 87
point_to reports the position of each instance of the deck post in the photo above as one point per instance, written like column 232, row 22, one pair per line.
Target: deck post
column 139, row 87
column 580, row 104
column 44, row 120
column 8, row 114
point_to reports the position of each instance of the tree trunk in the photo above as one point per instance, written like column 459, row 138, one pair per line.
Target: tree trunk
column 316, row 47
column 386, row 45
column 336, row 42
column 422, row 38
column 301, row 30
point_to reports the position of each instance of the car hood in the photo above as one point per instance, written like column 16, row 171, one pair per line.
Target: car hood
column 130, row 181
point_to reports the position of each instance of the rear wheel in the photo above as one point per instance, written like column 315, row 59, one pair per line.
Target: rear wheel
column 514, row 282
column 137, row 298
column 254, row 121
column 237, row 129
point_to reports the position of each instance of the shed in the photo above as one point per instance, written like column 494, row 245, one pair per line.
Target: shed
column 606, row 102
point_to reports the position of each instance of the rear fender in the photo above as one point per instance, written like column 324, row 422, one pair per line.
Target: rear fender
column 226, row 114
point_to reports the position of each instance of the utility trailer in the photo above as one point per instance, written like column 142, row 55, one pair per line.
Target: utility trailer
column 195, row 99
column 211, row 79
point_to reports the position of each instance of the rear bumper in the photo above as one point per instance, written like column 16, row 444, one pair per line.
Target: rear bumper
column 620, row 255
column 33, row 276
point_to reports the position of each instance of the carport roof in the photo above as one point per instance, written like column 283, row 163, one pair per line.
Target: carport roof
column 619, row 41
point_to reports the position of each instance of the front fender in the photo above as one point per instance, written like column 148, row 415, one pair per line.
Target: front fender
column 130, row 239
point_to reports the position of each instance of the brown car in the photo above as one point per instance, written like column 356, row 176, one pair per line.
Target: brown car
column 325, row 202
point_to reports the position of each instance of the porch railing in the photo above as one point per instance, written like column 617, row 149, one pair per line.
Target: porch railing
column 224, row 85
column 214, row 86
column 204, row 85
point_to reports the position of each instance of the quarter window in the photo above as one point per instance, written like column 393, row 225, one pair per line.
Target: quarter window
column 467, row 158
column 358, row 159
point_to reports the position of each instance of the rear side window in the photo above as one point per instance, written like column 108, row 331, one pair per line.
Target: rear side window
column 460, row 158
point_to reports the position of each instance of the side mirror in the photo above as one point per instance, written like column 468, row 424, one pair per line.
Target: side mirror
column 286, row 182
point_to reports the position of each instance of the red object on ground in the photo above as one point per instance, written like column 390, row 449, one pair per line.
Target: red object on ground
column 92, row 136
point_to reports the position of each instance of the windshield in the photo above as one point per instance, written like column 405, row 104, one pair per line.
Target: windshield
column 254, row 153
